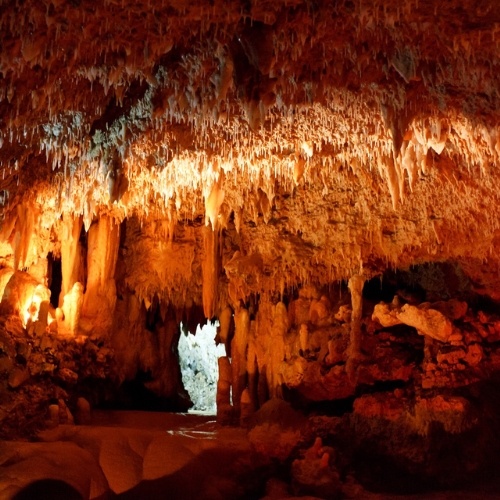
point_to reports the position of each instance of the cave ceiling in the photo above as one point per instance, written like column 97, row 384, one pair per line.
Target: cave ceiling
column 320, row 138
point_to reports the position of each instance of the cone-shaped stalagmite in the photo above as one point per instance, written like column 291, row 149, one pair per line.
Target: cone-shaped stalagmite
column 223, row 397
column 239, row 353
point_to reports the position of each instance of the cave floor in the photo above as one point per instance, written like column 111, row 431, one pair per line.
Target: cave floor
column 135, row 455
column 151, row 455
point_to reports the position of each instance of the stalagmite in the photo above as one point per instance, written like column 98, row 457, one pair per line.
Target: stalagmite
column 252, row 371
column 71, row 311
column 247, row 408
column 224, row 383
column 239, row 353
column 70, row 254
column 223, row 398
column 42, row 297
column 100, row 295
column 162, row 163
column 38, row 305
column 276, row 350
column 356, row 284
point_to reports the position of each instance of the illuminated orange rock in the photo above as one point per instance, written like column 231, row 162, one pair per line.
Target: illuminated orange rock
column 427, row 322
column 385, row 315
column 285, row 167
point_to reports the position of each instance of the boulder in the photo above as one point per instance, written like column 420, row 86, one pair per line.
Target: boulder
column 453, row 309
column 385, row 315
column 474, row 355
column 428, row 322
column 17, row 377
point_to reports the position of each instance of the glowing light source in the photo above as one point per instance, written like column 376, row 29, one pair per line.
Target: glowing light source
column 198, row 357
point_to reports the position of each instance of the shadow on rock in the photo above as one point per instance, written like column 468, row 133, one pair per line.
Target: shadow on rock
column 48, row 489
column 216, row 474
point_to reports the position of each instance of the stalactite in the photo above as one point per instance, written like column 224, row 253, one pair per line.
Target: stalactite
column 225, row 318
column 23, row 232
column 252, row 371
column 212, row 205
column 210, row 271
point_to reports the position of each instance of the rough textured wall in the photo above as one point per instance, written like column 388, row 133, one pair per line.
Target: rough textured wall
column 262, row 163
column 333, row 136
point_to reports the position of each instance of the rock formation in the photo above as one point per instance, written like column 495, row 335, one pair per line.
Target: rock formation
column 321, row 177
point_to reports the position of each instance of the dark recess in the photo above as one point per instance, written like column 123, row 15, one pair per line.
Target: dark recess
column 55, row 278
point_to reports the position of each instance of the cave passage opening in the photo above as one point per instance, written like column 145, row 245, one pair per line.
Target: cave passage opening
column 55, row 278
column 198, row 359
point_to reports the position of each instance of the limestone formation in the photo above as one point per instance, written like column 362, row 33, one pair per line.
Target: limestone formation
column 427, row 322
column 321, row 177
column 314, row 474
column 223, row 400
column 385, row 315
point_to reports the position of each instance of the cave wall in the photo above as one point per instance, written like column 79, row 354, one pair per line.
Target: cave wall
column 424, row 328
column 266, row 164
